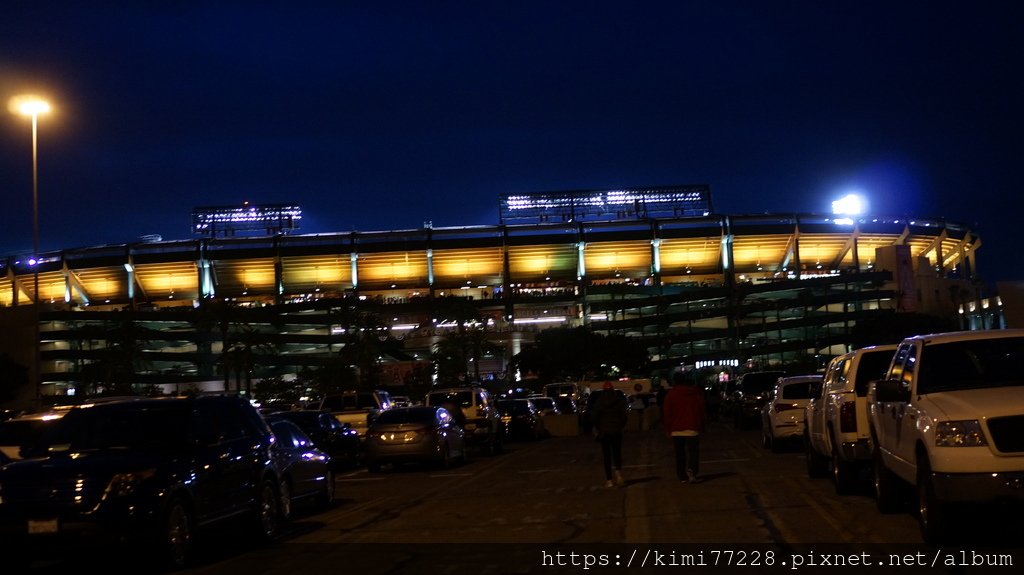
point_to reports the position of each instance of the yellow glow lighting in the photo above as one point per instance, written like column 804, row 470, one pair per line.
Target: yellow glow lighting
column 29, row 105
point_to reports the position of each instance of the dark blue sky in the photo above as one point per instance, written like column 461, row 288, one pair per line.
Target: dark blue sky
column 383, row 115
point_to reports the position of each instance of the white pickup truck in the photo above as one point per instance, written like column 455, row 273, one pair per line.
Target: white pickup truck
column 836, row 437
column 948, row 420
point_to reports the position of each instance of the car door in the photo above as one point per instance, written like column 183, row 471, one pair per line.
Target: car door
column 816, row 407
column 891, row 416
column 241, row 454
column 211, row 485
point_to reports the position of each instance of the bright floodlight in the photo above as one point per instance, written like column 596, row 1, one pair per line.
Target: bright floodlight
column 850, row 205
column 29, row 105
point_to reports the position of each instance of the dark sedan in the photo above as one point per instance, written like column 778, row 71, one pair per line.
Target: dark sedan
column 304, row 471
column 327, row 433
column 522, row 419
column 422, row 434
column 153, row 472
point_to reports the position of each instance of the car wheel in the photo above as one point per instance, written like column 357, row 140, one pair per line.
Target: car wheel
column 886, row 484
column 327, row 494
column 817, row 466
column 284, row 492
column 932, row 514
column 844, row 473
column 267, row 512
column 178, row 537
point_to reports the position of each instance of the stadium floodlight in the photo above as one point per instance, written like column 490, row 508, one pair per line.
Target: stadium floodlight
column 849, row 205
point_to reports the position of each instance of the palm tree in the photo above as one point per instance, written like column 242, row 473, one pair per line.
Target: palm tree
column 244, row 353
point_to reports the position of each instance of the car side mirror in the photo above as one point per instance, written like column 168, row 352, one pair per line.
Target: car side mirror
column 891, row 390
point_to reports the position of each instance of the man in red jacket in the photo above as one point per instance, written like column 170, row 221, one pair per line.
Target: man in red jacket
column 684, row 417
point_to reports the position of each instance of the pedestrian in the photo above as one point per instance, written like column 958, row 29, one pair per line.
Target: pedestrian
column 609, row 413
column 684, row 417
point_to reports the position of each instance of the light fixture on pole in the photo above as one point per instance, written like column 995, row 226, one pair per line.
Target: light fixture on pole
column 33, row 107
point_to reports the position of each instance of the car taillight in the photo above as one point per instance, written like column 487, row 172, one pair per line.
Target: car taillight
column 780, row 407
column 848, row 417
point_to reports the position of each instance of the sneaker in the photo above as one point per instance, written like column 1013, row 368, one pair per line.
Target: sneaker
column 618, row 478
column 609, row 483
column 691, row 477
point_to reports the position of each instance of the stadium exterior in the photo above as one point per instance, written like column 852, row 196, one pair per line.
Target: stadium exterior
column 694, row 287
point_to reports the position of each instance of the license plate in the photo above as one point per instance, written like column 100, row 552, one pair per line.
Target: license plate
column 38, row 527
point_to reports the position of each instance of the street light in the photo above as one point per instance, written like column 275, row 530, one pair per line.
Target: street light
column 33, row 106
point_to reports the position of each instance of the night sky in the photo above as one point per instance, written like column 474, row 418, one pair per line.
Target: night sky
column 384, row 115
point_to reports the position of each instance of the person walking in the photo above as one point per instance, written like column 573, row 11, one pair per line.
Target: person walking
column 685, row 417
column 609, row 412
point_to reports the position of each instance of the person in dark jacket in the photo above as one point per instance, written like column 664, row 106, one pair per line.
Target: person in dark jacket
column 610, row 411
column 685, row 417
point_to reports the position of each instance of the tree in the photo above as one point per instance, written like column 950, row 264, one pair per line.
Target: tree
column 114, row 368
column 13, row 377
column 243, row 355
column 578, row 353
column 893, row 327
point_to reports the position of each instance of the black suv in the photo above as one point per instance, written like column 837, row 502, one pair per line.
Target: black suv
column 753, row 390
column 152, row 471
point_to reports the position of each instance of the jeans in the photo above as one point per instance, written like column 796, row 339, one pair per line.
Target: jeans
column 687, row 454
column 611, row 449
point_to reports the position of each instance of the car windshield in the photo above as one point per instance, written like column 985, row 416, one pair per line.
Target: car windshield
column 544, row 402
column 88, row 429
column 513, row 407
column 350, row 401
column 24, row 431
column 971, row 364
column 410, row 415
column 797, row 390
column 557, row 390
column 460, row 398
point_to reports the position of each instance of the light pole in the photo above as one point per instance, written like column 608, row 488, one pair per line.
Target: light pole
column 33, row 106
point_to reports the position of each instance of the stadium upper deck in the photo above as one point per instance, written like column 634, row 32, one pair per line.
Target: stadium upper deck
column 481, row 260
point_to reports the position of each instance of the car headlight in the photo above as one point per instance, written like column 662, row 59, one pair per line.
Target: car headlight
column 124, row 484
column 966, row 433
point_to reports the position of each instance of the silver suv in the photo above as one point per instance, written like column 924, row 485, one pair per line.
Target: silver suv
column 474, row 410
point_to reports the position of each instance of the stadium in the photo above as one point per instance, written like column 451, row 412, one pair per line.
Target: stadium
column 651, row 263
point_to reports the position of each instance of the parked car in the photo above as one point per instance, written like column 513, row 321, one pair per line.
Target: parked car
column 545, row 405
column 23, row 431
column 150, row 472
column 749, row 396
column 473, row 409
column 401, row 401
column 328, row 434
column 357, row 409
column 567, row 395
column 783, row 416
column 836, row 434
column 303, row 470
column 521, row 418
column 420, row 434
column 948, row 420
